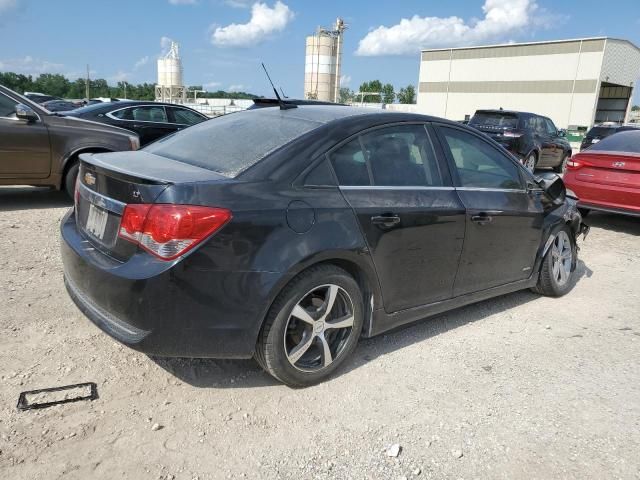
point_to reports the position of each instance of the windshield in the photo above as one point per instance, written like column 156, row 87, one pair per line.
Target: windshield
column 232, row 143
column 494, row 120
column 628, row 142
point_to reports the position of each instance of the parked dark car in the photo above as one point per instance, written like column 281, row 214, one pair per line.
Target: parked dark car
column 274, row 102
column 59, row 105
column 532, row 138
column 150, row 120
column 38, row 147
column 602, row 131
column 289, row 234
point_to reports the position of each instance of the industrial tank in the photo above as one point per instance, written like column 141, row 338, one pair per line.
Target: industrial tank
column 322, row 63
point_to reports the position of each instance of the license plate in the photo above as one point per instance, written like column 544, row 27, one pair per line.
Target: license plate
column 96, row 221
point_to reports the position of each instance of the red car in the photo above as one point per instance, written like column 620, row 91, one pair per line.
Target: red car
column 606, row 176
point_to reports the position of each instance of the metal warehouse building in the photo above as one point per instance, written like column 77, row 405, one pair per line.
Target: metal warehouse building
column 574, row 82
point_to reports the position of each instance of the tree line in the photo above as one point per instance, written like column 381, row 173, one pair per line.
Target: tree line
column 383, row 93
column 60, row 86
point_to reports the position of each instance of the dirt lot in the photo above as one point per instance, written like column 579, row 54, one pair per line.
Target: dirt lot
column 516, row 387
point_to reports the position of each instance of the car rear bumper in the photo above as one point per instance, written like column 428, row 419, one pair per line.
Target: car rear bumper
column 608, row 198
column 180, row 309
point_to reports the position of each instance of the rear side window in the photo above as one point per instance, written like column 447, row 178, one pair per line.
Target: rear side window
column 478, row 163
column 397, row 156
column 628, row 141
column 232, row 143
column 184, row 116
column 149, row 114
column 494, row 119
column 124, row 114
column 7, row 106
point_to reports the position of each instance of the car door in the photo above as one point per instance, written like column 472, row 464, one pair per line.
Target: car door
column 504, row 219
column 408, row 210
column 25, row 151
column 545, row 141
column 151, row 122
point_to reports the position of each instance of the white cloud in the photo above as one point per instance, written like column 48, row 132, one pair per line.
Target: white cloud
column 6, row 5
column 119, row 77
column 345, row 80
column 211, row 85
column 165, row 44
column 501, row 18
column 264, row 22
column 240, row 3
column 183, row 2
column 141, row 63
column 236, row 88
column 30, row 66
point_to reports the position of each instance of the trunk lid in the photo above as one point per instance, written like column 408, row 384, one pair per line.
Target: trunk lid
column 107, row 182
column 615, row 169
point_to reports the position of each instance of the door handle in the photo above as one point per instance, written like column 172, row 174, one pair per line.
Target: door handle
column 482, row 218
column 385, row 220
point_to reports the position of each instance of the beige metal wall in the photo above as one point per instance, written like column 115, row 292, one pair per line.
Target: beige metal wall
column 320, row 71
column 558, row 79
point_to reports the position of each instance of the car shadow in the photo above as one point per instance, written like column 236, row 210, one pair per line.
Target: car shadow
column 611, row 221
column 32, row 198
column 210, row 373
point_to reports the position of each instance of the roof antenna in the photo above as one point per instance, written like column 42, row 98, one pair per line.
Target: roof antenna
column 283, row 105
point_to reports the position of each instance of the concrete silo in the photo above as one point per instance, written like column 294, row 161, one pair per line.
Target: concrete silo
column 322, row 63
column 170, row 87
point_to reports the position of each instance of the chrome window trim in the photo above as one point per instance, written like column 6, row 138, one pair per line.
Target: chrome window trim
column 480, row 189
column 109, row 114
column 100, row 200
column 391, row 187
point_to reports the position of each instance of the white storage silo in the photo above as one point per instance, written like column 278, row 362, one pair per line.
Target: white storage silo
column 170, row 87
column 322, row 63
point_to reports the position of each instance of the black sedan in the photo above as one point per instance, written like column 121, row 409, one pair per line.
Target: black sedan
column 287, row 235
column 150, row 120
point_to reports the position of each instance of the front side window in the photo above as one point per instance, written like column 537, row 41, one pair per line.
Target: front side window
column 551, row 128
column 393, row 156
column 478, row 163
column 149, row 114
column 7, row 106
column 184, row 116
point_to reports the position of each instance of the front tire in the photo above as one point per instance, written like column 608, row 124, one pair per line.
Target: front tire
column 70, row 179
column 312, row 327
column 556, row 273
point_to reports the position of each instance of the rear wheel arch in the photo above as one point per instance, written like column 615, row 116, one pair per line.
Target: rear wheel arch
column 365, row 278
column 72, row 158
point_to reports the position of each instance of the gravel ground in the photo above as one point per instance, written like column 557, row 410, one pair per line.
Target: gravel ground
column 520, row 386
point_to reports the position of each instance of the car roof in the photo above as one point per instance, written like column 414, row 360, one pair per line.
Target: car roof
column 294, row 101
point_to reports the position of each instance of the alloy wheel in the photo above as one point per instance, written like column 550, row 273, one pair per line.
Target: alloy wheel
column 561, row 258
column 530, row 163
column 319, row 328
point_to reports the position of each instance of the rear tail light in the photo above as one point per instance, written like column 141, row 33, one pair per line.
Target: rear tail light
column 573, row 164
column 169, row 231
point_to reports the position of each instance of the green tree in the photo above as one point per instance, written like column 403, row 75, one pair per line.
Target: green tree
column 345, row 95
column 374, row 86
column 388, row 94
column 635, row 108
column 407, row 94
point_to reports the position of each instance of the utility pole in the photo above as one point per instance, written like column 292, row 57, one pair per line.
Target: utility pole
column 125, row 89
column 86, row 88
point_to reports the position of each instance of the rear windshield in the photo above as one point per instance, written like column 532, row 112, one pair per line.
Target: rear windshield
column 232, row 143
column 601, row 132
column 628, row 141
column 494, row 119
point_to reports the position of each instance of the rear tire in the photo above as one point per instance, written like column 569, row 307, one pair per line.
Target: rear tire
column 531, row 162
column 70, row 179
column 556, row 273
column 563, row 164
column 296, row 345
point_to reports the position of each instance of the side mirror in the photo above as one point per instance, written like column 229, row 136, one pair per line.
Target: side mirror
column 26, row 113
column 562, row 132
column 553, row 186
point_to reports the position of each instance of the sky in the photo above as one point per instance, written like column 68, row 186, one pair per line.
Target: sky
column 222, row 42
